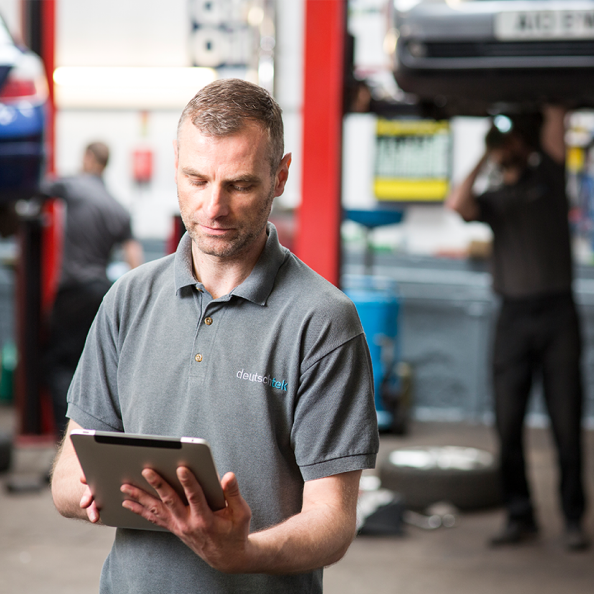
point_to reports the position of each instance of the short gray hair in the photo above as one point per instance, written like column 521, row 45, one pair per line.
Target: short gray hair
column 100, row 152
column 225, row 106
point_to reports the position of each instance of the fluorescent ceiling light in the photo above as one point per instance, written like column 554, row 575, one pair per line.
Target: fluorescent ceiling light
column 128, row 87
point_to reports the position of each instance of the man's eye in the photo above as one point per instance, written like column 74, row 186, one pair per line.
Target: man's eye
column 242, row 188
column 197, row 182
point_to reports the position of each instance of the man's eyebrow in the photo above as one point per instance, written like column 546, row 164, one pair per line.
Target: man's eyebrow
column 247, row 178
column 252, row 179
column 192, row 172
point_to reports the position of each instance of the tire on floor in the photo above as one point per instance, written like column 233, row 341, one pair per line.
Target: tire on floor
column 468, row 478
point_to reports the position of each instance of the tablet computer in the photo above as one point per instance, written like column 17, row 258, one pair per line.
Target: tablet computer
column 110, row 459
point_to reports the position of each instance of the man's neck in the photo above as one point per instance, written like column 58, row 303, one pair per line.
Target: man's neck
column 221, row 275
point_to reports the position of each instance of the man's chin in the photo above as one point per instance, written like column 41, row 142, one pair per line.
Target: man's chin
column 218, row 247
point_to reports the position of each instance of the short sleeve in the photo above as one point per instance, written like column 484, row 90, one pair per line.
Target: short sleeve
column 93, row 397
column 335, row 424
column 126, row 231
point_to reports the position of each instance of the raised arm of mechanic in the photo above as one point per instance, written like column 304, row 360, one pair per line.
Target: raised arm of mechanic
column 462, row 198
column 72, row 497
column 317, row 536
column 552, row 134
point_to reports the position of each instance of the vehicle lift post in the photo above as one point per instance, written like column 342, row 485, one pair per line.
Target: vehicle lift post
column 39, row 240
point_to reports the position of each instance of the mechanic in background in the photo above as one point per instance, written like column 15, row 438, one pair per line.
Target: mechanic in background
column 537, row 330
column 95, row 223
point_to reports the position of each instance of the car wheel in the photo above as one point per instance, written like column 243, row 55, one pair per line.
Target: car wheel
column 468, row 478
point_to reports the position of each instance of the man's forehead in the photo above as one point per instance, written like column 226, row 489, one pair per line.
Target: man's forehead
column 248, row 145
column 249, row 127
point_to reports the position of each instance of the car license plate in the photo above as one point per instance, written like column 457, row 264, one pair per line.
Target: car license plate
column 544, row 24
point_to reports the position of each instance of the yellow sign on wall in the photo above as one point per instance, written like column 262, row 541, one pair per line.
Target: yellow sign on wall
column 412, row 160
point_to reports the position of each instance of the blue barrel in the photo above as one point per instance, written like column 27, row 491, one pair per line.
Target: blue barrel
column 378, row 304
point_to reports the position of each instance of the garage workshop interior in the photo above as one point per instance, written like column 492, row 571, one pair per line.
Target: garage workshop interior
column 441, row 177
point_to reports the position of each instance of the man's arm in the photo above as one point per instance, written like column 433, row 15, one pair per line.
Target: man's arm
column 317, row 536
column 133, row 253
column 462, row 198
column 552, row 135
column 71, row 495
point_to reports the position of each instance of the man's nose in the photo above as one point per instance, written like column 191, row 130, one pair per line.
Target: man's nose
column 217, row 203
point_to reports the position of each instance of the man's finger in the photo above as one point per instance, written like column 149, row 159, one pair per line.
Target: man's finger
column 93, row 513
column 86, row 499
column 235, row 502
column 193, row 491
column 87, row 502
column 230, row 486
column 166, row 492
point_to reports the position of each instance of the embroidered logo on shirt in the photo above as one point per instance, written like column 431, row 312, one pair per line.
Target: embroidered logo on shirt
column 263, row 379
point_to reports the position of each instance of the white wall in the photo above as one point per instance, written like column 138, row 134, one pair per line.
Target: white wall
column 122, row 33
column 156, row 33
column 152, row 208
column 10, row 11
column 289, row 88
column 130, row 33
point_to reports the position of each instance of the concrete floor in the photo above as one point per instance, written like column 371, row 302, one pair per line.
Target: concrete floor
column 42, row 553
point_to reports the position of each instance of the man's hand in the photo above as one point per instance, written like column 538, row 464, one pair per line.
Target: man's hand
column 71, row 494
column 87, row 502
column 317, row 536
column 220, row 538
column 462, row 198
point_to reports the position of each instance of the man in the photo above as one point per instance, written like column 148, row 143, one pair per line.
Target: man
column 538, row 329
column 95, row 224
column 234, row 340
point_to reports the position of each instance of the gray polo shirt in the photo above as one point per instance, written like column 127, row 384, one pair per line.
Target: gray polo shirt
column 276, row 376
column 95, row 223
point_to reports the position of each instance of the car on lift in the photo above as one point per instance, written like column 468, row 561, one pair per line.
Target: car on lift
column 23, row 103
column 461, row 57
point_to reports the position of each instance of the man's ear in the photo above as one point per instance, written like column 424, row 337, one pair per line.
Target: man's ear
column 282, row 175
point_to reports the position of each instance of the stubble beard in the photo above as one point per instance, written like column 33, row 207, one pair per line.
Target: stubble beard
column 233, row 247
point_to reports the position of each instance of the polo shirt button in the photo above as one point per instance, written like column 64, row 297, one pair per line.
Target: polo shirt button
column 198, row 358
column 208, row 321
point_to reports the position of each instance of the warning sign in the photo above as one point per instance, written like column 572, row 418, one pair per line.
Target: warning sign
column 412, row 160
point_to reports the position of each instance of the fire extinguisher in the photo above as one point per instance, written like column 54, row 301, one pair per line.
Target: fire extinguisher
column 142, row 165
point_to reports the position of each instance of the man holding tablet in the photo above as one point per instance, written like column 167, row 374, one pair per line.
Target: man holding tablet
column 234, row 340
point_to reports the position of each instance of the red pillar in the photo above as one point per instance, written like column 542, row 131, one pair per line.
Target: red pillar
column 40, row 238
column 317, row 240
column 48, row 55
column 53, row 209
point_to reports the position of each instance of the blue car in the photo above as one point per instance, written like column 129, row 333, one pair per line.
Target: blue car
column 23, row 100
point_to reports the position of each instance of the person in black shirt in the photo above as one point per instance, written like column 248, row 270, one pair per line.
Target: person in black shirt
column 537, row 330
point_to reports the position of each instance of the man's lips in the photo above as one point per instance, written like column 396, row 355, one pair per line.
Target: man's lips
column 215, row 230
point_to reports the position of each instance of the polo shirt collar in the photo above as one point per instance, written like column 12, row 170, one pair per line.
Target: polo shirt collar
column 183, row 269
column 256, row 287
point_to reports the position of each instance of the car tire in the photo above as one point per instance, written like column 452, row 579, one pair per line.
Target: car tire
column 467, row 478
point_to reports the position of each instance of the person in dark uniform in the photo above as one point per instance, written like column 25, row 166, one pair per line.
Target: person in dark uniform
column 537, row 329
column 95, row 223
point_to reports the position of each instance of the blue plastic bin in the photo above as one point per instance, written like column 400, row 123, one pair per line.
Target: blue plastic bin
column 378, row 304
